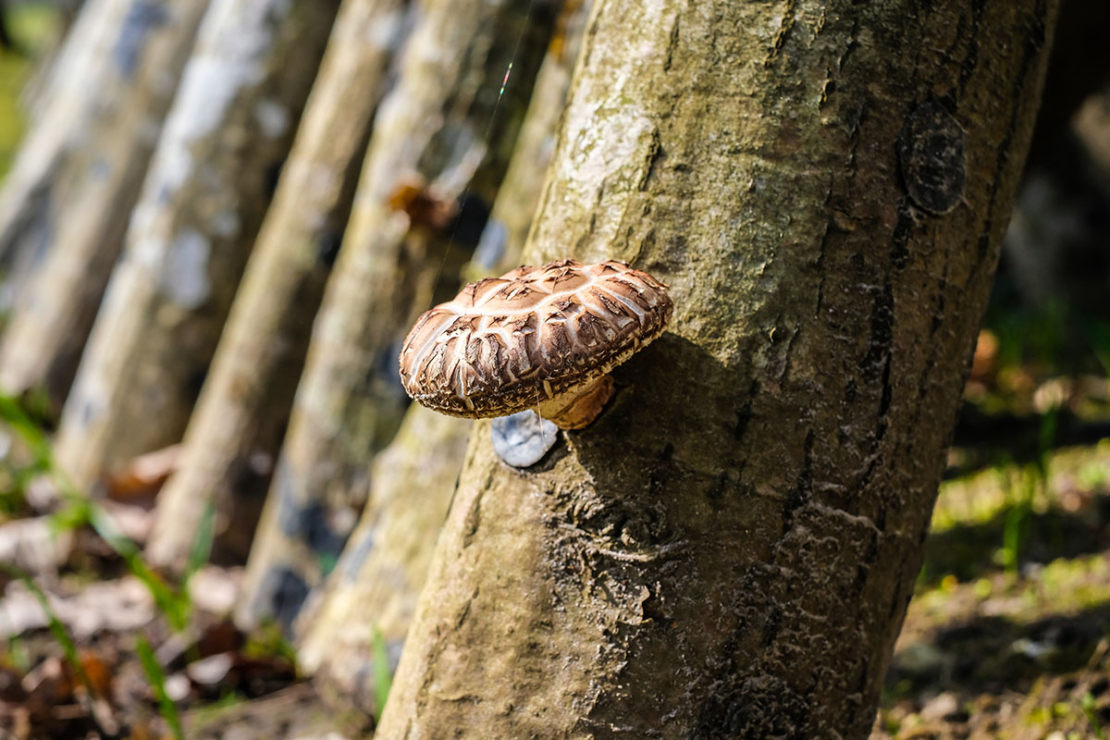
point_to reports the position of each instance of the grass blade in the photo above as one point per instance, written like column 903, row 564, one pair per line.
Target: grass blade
column 383, row 675
column 157, row 679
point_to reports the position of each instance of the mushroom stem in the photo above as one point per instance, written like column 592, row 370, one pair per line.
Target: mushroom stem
column 577, row 408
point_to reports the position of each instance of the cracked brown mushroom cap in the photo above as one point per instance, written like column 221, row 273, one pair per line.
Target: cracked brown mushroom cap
column 535, row 338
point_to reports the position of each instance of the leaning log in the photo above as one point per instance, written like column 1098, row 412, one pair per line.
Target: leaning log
column 212, row 180
column 729, row 549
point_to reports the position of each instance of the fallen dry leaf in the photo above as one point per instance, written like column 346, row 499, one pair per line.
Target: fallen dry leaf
column 143, row 476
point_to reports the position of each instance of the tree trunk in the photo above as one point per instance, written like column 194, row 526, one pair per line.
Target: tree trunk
column 69, row 105
column 244, row 406
column 65, row 204
column 378, row 578
column 213, row 177
column 429, row 141
column 729, row 549
column 383, row 567
column 47, row 72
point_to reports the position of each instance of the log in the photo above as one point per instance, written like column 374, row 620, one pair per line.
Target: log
column 212, row 180
column 379, row 576
column 64, row 206
column 431, row 144
column 729, row 549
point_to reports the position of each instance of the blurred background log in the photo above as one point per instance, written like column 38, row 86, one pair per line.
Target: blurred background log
column 66, row 203
column 48, row 73
column 374, row 587
column 211, row 182
column 436, row 158
column 244, row 406
column 379, row 576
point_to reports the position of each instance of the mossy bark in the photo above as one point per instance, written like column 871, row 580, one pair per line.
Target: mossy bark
column 729, row 549
column 436, row 133
column 379, row 576
column 64, row 206
column 211, row 181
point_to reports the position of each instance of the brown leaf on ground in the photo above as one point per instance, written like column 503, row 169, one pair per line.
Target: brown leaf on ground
column 33, row 546
column 985, row 361
column 97, row 672
column 143, row 476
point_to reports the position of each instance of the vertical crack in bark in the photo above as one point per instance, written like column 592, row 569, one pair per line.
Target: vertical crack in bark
column 799, row 495
column 786, row 23
column 971, row 59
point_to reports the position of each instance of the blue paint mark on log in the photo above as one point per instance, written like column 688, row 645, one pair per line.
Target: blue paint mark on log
column 143, row 17
column 282, row 593
column 306, row 521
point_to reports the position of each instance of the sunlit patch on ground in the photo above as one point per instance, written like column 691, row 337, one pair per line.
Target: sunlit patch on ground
column 1008, row 635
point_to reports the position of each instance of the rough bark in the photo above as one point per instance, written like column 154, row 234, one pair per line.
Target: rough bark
column 383, row 567
column 729, row 549
column 65, row 204
column 376, row 582
column 214, row 174
column 431, row 135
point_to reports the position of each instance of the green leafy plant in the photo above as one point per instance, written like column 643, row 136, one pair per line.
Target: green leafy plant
column 1090, row 709
column 57, row 628
column 1031, row 480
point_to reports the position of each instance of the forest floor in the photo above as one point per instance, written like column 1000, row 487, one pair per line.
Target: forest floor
column 1008, row 634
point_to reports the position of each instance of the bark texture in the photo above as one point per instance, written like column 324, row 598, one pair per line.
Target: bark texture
column 378, row 578
column 244, row 406
column 214, row 174
column 729, row 549
column 434, row 134
column 383, row 567
column 64, row 207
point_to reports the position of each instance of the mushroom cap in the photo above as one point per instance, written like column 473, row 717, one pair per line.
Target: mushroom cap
column 509, row 344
